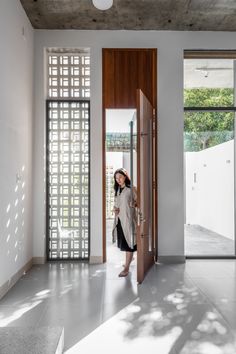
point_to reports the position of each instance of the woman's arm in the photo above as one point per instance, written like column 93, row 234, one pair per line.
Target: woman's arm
column 116, row 210
column 133, row 204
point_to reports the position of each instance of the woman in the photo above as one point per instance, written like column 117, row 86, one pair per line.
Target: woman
column 124, row 223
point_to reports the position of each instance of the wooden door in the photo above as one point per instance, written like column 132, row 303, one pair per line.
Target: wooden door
column 145, row 185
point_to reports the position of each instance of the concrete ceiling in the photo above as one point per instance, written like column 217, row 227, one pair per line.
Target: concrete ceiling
column 179, row 15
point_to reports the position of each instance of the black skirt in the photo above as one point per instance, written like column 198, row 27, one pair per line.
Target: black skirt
column 121, row 241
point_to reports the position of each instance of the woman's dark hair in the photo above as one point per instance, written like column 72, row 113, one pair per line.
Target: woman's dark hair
column 123, row 172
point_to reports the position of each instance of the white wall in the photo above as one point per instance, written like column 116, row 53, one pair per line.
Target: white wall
column 210, row 198
column 170, row 123
column 126, row 165
column 16, row 87
column 114, row 159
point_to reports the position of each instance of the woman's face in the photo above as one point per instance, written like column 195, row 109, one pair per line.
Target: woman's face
column 120, row 179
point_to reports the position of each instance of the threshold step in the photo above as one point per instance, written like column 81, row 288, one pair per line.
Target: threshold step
column 28, row 340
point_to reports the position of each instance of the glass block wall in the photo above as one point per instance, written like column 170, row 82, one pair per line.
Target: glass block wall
column 68, row 109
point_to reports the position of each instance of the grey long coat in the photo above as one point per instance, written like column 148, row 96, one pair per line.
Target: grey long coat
column 126, row 215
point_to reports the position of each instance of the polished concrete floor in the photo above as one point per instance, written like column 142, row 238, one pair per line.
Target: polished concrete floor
column 201, row 242
column 179, row 309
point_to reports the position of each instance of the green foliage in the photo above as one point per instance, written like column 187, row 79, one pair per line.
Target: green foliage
column 207, row 97
column 207, row 129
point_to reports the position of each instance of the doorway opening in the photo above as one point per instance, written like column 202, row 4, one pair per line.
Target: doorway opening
column 130, row 83
column 120, row 153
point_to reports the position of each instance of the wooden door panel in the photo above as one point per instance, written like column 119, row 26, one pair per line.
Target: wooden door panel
column 125, row 70
column 145, row 60
column 145, row 234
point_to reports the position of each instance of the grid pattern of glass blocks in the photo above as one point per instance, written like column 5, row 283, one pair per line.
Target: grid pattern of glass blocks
column 68, row 180
column 68, row 75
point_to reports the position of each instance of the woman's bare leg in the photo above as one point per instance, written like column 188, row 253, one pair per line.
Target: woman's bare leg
column 129, row 257
column 132, row 259
column 128, row 260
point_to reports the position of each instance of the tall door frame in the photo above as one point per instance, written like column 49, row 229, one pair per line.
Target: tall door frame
column 118, row 105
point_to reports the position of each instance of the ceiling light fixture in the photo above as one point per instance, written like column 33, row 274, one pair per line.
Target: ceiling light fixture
column 103, row 4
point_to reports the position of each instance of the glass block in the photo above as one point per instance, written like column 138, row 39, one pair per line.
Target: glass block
column 68, row 188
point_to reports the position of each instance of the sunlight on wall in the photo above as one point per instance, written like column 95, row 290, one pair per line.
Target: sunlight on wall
column 15, row 219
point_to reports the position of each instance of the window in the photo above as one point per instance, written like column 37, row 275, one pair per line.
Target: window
column 209, row 131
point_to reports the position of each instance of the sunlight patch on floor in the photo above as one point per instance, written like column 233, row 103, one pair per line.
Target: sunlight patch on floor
column 18, row 314
column 112, row 337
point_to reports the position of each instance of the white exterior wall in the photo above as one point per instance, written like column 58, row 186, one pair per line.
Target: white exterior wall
column 210, row 201
column 114, row 159
column 126, row 164
column 170, row 123
column 16, row 101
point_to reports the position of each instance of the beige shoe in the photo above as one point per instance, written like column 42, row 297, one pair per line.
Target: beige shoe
column 124, row 273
